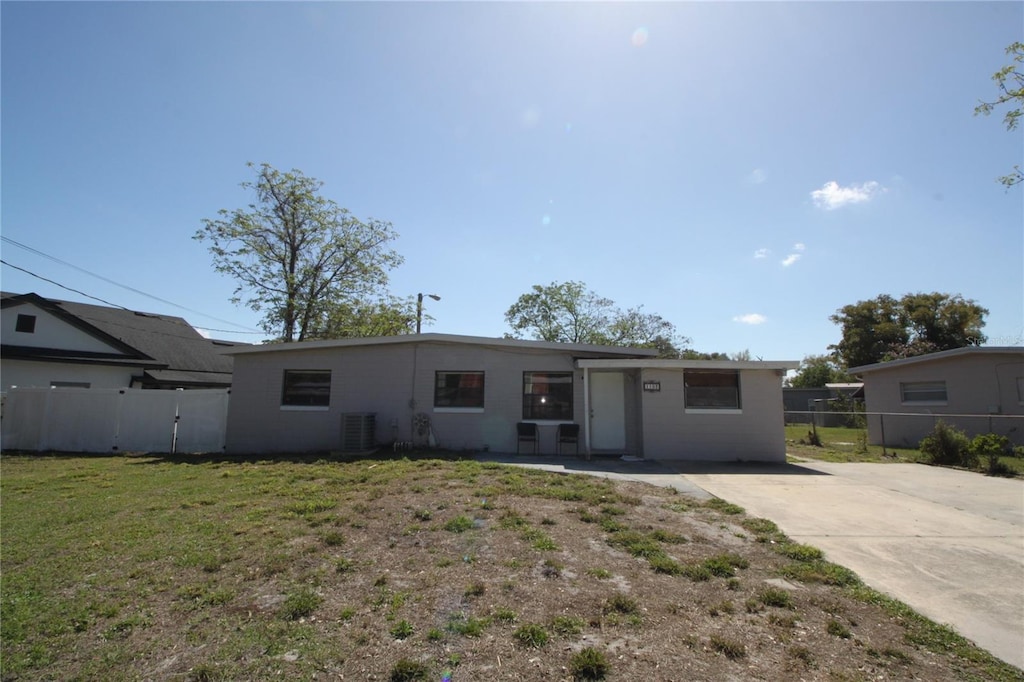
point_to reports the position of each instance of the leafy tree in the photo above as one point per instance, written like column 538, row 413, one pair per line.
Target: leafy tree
column 385, row 317
column 690, row 354
column 883, row 328
column 1010, row 81
column 568, row 312
column 870, row 330
column 817, row 370
column 297, row 257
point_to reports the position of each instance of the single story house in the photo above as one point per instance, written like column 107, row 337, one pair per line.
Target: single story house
column 50, row 343
column 979, row 389
column 472, row 393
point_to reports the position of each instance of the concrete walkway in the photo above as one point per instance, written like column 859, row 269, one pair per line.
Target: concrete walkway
column 948, row 543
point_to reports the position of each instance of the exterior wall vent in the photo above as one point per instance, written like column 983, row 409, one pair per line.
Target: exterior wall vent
column 358, row 431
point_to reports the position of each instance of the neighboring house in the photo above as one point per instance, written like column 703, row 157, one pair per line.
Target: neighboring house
column 979, row 389
column 469, row 393
column 50, row 343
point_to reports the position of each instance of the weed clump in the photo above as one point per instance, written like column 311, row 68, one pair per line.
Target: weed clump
column 531, row 635
column 731, row 649
column 405, row 670
column 300, row 603
column 588, row 664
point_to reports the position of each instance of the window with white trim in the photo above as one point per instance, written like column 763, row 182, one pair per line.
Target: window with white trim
column 547, row 395
column 306, row 388
column 707, row 389
column 923, row 391
column 459, row 389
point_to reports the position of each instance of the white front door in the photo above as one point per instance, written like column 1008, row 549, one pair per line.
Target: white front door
column 607, row 411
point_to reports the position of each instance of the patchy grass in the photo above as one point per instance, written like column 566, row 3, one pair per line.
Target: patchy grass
column 842, row 444
column 193, row 568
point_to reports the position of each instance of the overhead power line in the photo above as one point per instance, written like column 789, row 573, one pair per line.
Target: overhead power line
column 30, row 249
column 114, row 305
column 29, row 272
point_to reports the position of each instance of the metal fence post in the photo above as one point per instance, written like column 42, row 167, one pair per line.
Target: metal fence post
column 881, row 422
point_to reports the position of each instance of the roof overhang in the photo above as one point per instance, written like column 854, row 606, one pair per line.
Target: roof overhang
column 78, row 357
column 661, row 363
column 519, row 344
column 941, row 355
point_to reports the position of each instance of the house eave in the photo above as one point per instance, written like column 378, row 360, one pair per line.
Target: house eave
column 663, row 363
column 573, row 348
column 935, row 357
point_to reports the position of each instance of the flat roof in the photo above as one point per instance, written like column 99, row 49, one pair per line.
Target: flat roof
column 442, row 338
column 665, row 363
column 941, row 355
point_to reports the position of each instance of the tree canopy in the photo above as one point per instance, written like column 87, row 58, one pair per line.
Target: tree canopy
column 568, row 312
column 816, row 371
column 884, row 328
column 390, row 316
column 1010, row 82
column 297, row 257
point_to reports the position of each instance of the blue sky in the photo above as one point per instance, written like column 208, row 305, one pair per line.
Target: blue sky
column 741, row 169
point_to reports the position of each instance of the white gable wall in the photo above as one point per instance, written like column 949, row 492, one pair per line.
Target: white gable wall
column 50, row 332
column 26, row 373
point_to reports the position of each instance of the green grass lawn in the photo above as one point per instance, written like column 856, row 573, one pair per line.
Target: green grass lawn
column 201, row 569
column 843, row 444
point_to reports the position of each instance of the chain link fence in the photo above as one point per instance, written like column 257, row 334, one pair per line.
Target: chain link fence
column 906, row 429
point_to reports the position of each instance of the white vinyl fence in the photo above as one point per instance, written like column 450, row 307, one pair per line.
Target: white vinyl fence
column 114, row 420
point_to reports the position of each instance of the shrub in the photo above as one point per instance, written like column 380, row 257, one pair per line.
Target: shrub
column 988, row 448
column 946, row 445
column 588, row 664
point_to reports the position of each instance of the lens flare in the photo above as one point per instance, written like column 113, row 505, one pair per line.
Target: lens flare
column 639, row 38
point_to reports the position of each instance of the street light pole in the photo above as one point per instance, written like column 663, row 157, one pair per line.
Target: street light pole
column 419, row 309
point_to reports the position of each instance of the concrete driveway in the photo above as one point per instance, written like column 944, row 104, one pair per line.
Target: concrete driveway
column 948, row 543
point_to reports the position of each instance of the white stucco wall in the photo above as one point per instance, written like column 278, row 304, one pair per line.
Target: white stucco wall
column 26, row 373
column 756, row 432
column 395, row 382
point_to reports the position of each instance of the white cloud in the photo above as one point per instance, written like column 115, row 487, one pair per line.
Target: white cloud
column 790, row 259
column 750, row 318
column 757, row 176
column 799, row 246
column 762, row 253
column 831, row 196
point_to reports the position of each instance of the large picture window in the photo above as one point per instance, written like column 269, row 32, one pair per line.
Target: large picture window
column 547, row 395
column 923, row 391
column 712, row 389
column 459, row 389
column 306, row 388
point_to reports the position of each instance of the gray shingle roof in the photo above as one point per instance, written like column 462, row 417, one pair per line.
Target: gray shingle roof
column 167, row 339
